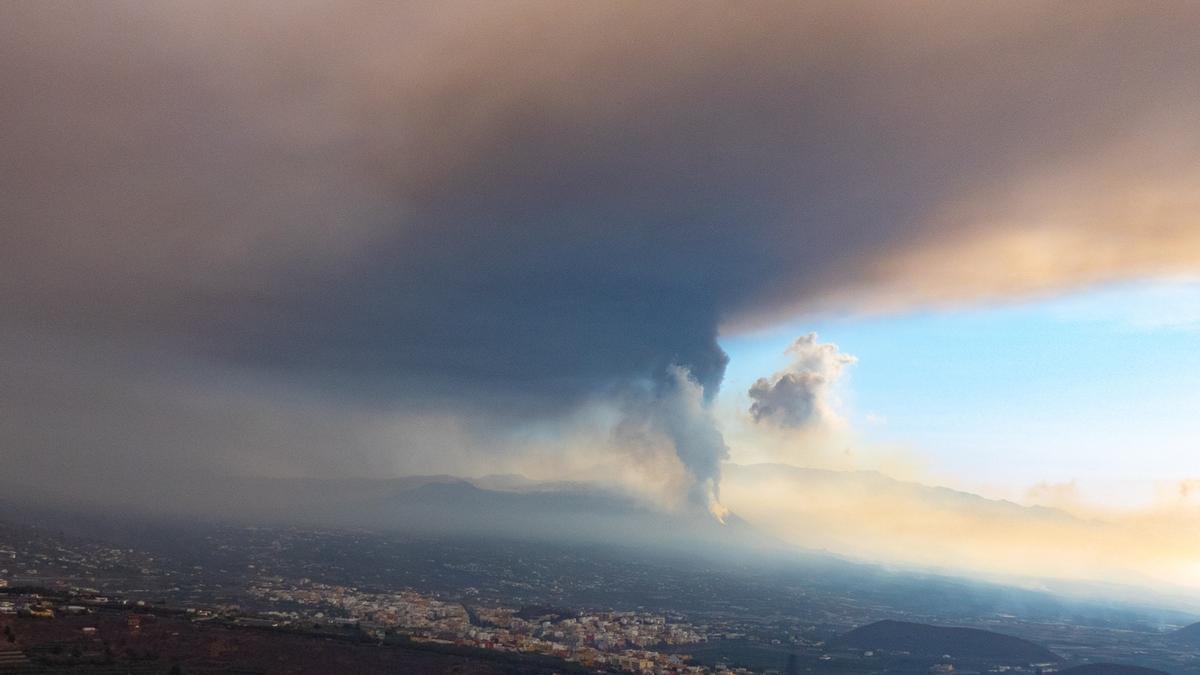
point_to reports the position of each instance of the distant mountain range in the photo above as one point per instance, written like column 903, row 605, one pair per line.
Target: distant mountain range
column 565, row 513
column 499, row 506
column 921, row 639
column 867, row 515
column 580, row 511
column 877, row 485
column 431, row 501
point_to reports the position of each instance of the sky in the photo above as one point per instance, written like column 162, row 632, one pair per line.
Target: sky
column 629, row 243
column 1096, row 387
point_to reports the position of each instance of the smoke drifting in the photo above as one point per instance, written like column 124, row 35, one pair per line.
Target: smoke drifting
column 676, row 411
column 501, row 213
column 686, row 419
column 798, row 395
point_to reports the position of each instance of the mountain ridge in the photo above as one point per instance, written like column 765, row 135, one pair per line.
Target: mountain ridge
column 922, row 639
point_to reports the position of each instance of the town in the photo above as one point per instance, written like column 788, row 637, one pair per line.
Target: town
column 383, row 599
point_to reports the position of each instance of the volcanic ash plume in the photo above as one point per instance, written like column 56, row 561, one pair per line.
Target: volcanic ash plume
column 676, row 413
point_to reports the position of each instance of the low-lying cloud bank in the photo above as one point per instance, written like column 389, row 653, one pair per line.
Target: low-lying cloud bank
column 871, row 516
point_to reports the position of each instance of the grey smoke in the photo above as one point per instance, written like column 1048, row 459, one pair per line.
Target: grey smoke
column 689, row 422
column 677, row 410
column 797, row 396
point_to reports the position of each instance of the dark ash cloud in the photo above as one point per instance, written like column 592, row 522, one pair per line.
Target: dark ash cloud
column 520, row 207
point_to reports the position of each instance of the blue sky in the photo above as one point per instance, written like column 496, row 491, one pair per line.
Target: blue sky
column 1101, row 386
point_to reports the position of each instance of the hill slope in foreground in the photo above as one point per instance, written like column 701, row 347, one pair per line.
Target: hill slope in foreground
column 1189, row 635
column 137, row 642
column 1110, row 669
column 925, row 640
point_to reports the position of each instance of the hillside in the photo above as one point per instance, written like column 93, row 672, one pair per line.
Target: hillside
column 1189, row 635
column 1110, row 669
column 962, row 643
column 450, row 506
